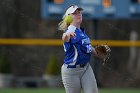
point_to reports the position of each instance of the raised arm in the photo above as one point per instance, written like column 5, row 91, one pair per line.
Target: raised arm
column 66, row 36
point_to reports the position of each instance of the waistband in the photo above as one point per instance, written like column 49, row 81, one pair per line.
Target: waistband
column 76, row 66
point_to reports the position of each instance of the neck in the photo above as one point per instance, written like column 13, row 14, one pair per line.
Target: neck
column 76, row 25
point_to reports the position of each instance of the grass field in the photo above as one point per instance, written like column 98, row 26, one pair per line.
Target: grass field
column 46, row 90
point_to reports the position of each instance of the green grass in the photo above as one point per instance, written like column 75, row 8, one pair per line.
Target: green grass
column 119, row 91
column 46, row 90
column 30, row 90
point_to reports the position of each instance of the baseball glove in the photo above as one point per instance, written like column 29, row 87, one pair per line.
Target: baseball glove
column 103, row 52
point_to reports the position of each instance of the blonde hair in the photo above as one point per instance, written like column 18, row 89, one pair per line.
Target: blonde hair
column 62, row 25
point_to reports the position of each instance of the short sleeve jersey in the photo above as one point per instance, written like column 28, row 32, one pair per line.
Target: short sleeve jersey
column 77, row 50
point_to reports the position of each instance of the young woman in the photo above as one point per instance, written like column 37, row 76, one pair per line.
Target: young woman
column 76, row 71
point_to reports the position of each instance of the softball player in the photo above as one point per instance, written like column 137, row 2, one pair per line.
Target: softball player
column 76, row 71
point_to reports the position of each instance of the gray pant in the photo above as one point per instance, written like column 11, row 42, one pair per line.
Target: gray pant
column 75, row 79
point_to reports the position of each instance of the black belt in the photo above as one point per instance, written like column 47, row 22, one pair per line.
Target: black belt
column 76, row 66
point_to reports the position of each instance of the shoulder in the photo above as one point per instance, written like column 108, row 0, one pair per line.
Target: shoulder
column 71, row 28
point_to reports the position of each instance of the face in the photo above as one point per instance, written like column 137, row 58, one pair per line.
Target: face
column 77, row 16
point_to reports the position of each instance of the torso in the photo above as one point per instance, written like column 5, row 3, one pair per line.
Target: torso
column 77, row 50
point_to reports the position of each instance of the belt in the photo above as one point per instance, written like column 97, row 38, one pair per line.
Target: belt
column 76, row 66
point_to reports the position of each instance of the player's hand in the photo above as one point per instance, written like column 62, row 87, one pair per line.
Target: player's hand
column 103, row 52
column 71, row 34
column 66, row 36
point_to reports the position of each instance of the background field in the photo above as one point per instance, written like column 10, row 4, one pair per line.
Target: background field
column 31, row 47
column 44, row 90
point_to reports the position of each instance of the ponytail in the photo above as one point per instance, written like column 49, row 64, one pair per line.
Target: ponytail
column 62, row 25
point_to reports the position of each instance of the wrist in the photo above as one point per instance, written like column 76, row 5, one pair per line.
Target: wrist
column 94, row 51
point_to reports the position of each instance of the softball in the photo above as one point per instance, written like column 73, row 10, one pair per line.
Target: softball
column 68, row 19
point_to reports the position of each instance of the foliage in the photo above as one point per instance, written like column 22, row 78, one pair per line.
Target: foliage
column 4, row 65
column 53, row 67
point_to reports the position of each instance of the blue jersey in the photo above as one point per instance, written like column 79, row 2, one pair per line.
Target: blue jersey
column 77, row 50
